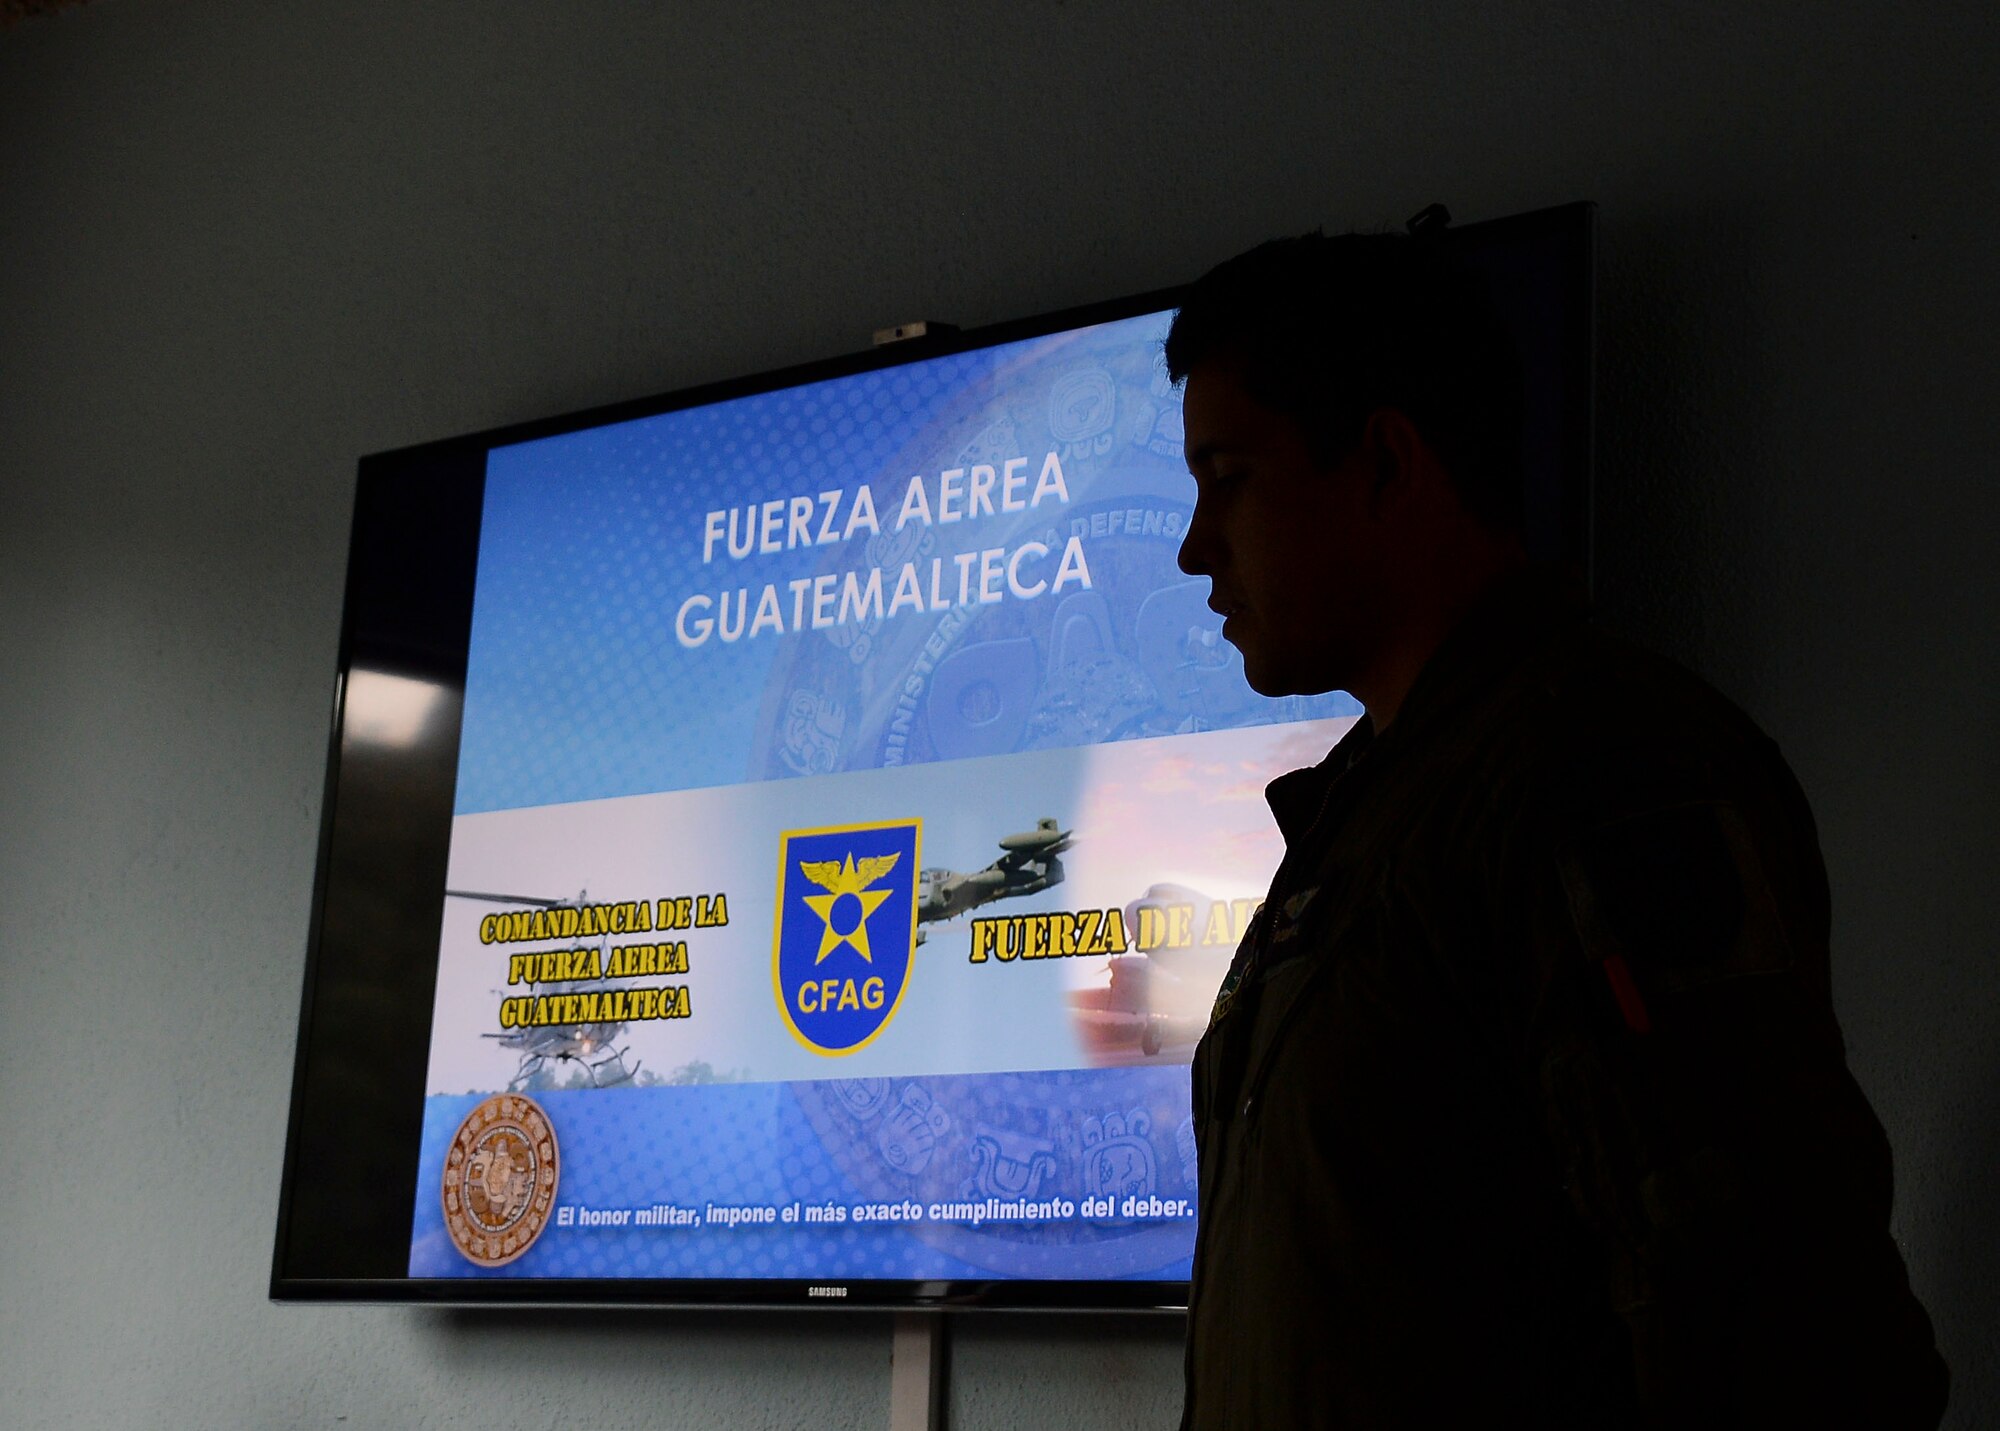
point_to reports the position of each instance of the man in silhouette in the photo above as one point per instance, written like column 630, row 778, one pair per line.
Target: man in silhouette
column 1523, row 1102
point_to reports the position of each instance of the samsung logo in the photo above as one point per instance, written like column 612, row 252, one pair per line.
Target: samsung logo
column 826, row 1291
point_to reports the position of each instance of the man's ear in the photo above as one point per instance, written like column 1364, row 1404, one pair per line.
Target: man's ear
column 1398, row 458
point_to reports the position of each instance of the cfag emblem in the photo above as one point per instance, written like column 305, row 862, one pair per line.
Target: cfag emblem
column 845, row 931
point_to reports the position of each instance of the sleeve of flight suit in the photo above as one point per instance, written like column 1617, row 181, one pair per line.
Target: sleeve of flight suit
column 1709, row 1132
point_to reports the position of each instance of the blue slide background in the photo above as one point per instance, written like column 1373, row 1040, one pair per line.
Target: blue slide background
column 578, row 689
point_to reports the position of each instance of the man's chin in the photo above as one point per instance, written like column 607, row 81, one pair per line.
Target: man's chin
column 1264, row 679
column 1278, row 678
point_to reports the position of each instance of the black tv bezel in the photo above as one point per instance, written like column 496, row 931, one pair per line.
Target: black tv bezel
column 407, row 610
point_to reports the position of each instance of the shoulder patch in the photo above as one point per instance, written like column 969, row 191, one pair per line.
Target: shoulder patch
column 1676, row 893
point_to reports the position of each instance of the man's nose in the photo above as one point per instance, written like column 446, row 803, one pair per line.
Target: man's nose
column 1194, row 556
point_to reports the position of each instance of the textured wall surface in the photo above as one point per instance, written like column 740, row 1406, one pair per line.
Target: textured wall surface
column 242, row 243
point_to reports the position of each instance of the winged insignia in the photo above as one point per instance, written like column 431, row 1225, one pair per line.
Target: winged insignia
column 852, row 878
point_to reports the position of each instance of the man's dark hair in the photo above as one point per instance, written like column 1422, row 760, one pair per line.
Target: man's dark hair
column 1329, row 330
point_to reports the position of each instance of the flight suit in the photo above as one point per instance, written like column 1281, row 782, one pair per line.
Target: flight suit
column 1523, row 1102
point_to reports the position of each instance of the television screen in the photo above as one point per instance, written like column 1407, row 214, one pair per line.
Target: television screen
column 783, row 840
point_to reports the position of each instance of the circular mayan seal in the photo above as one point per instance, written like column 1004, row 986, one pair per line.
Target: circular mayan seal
column 500, row 1180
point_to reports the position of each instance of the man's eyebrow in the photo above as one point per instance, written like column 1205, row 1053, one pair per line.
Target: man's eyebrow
column 1209, row 450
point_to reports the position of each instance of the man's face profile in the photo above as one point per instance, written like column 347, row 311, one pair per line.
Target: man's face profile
column 1285, row 541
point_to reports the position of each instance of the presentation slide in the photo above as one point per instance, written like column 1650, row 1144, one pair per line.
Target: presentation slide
column 857, row 809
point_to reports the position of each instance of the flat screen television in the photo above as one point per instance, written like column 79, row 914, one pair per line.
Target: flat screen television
column 781, row 839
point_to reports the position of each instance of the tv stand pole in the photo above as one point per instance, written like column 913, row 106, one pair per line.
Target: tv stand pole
column 917, row 1372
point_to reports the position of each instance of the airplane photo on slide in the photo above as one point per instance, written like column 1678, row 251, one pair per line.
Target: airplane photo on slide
column 1028, row 864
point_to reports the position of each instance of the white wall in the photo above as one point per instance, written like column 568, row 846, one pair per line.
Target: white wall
column 242, row 243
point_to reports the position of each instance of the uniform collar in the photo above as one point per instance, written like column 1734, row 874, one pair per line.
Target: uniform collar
column 1298, row 797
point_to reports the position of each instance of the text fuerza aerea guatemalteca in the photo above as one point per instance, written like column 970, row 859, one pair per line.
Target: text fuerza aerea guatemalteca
column 1021, row 572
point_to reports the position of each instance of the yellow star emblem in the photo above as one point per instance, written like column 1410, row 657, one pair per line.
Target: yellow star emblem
column 846, row 881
